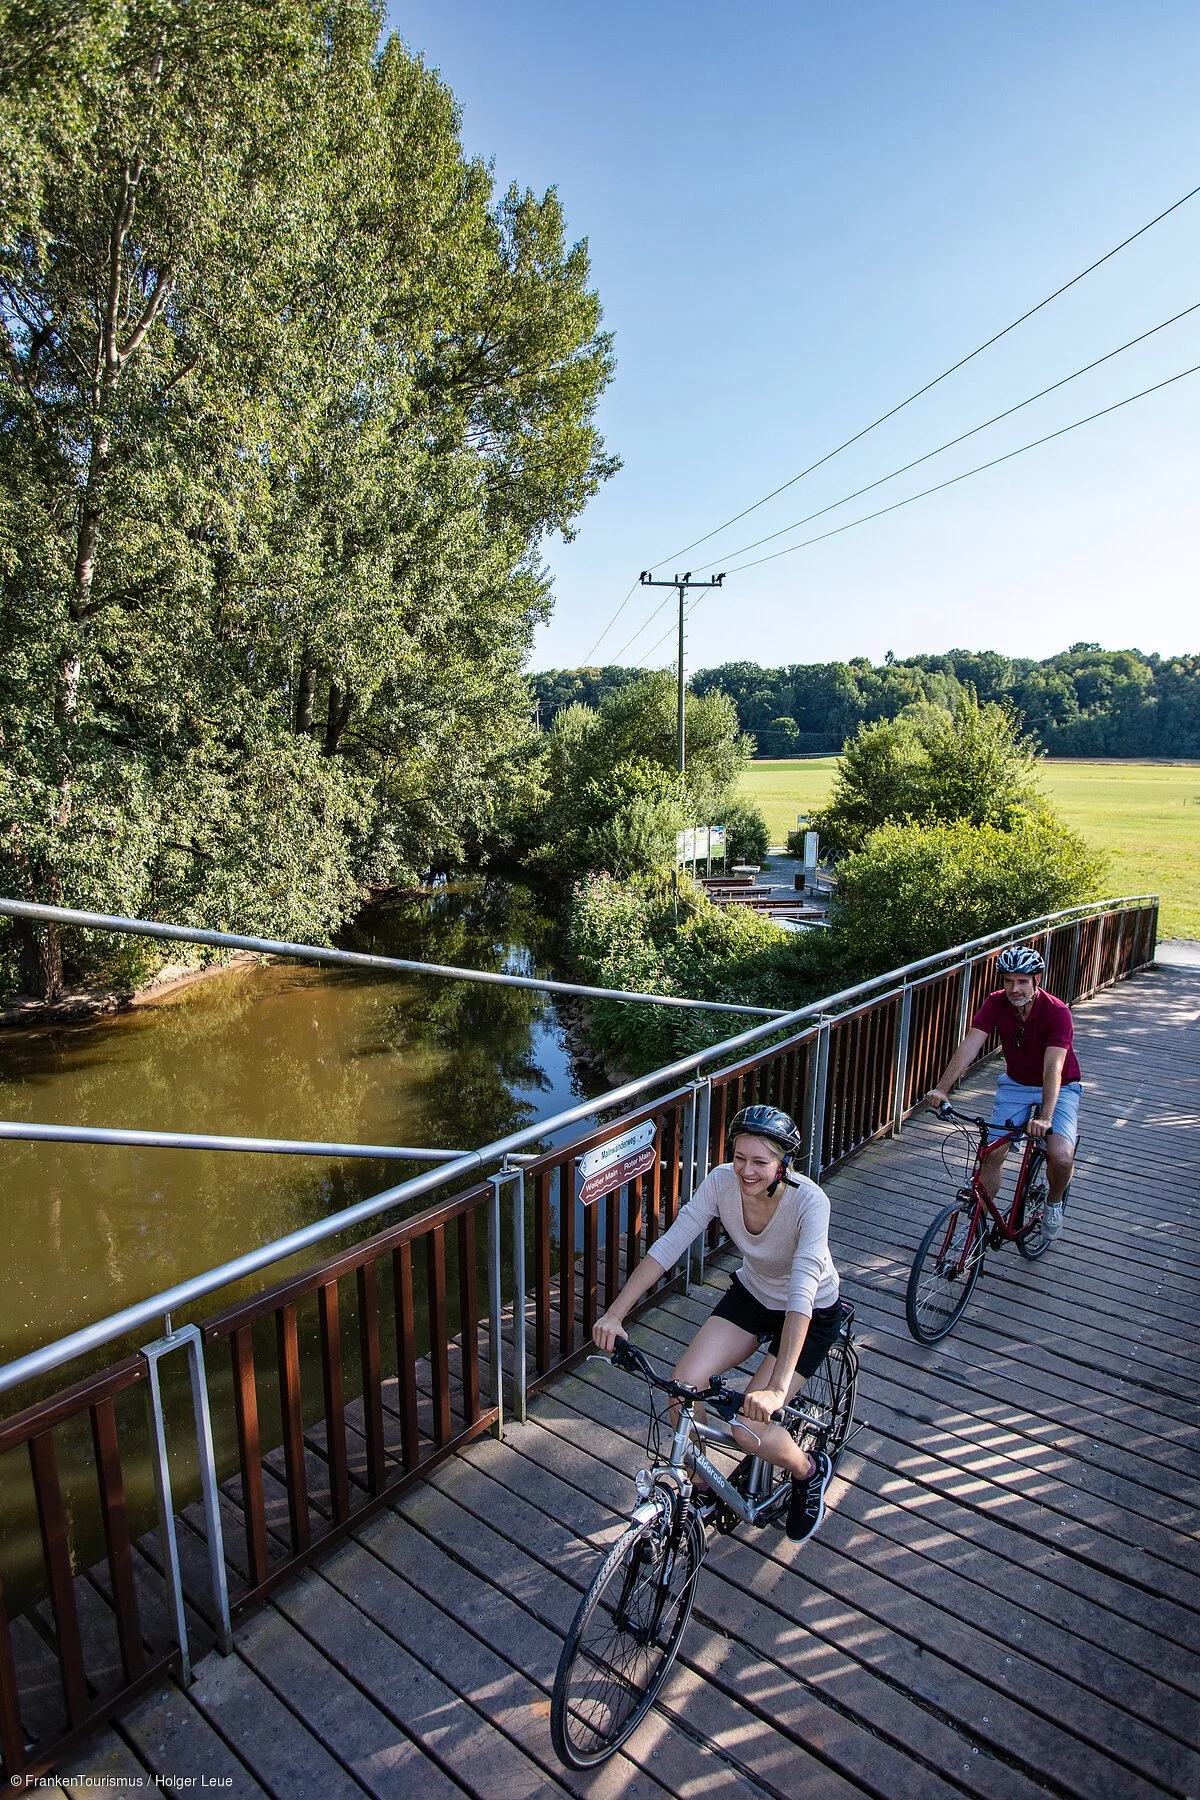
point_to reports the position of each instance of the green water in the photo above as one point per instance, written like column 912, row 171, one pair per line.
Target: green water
column 269, row 1050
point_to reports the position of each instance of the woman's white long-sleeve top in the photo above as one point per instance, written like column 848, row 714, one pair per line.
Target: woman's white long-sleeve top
column 787, row 1266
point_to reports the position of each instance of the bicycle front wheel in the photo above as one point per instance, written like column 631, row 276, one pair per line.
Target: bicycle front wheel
column 1033, row 1242
column 623, row 1641
column 945, row 1270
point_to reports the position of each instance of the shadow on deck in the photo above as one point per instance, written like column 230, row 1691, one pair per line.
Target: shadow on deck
column 1004, row 1599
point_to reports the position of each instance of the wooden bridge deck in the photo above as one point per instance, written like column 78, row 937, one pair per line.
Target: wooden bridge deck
column 1004, row 1600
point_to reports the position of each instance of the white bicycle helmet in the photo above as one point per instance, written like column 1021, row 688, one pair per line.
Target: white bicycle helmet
column 1020, row 959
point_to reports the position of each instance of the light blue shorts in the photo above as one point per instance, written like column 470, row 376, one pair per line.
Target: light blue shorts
column 1017, row 1102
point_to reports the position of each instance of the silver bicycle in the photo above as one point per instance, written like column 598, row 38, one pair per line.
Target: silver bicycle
column 626, row 1633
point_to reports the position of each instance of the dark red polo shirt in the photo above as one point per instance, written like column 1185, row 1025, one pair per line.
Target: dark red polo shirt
column 1047, row 1025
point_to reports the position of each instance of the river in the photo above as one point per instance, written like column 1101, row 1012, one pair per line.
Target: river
column 266, row 1050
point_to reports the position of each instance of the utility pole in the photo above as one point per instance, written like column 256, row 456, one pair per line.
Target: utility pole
column 682, row 583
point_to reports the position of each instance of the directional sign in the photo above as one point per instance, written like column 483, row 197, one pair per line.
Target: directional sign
column 612, row 1164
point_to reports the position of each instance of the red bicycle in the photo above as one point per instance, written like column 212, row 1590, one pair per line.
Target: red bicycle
column 950, row 1257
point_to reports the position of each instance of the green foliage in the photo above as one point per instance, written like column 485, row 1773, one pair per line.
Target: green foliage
column 608, row 792
column 913, row 890
column 625, row 934
column 746, row 836
column 929, row 766
column 1083, row 702
column 290, row 401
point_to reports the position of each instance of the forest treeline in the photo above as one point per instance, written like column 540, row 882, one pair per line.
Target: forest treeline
column 1083, row 702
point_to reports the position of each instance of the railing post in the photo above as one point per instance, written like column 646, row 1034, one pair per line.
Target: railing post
column 901, row 1072
column 1097, row 956
column 1073, row 971
column 964, row 999
column 495, row 1346
column 687, row 1169
column 188, row 1337
column 814, row 1123
column 520, row 1381
column 702, row 1090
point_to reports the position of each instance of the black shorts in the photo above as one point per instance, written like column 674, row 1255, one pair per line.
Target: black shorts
column 738, row 1305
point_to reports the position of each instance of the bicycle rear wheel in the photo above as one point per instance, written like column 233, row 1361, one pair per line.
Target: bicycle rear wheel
column 1034, row 1242
column 829, row 1396
column 944, row 1272
column 827, row 1400
column 623, row 1641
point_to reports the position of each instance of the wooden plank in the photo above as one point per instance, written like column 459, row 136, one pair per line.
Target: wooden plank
column 468, row 1316
column 277, row 1746
column 19, row 1427
column 335, row 1397
column 353, row 1614
column 591, row 1253
column 566, row 1258
column 541, row 1270
column 116, row 1537
column 435, row 1294
column 406, row 1355
column 293, row 1425
column 12, row 1734
column 245, row 1399
column 367, row 1280
column 57, row 1552
column 179, row 1747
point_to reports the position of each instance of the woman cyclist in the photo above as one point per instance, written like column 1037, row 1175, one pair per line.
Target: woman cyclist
column 784, row 1296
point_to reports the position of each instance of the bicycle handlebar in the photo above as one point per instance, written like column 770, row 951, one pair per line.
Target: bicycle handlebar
column 724, row 1400
column 948, row 1112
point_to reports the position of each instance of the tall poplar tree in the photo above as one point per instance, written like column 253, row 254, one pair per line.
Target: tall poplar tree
column 287, row 404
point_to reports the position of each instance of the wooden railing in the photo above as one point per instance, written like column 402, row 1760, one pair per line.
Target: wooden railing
column 349, row 1382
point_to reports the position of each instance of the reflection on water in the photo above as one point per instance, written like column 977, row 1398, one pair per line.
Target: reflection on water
column 274, row 1050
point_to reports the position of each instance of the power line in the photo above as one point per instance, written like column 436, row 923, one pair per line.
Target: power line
column 954, row 367
column 669, row 632
column 961, row 438
column 637, row 634
column 625, row 602
column 978, row 470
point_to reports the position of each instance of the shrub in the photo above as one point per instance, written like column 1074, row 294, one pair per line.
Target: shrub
column 912, row 890
column 746, row 836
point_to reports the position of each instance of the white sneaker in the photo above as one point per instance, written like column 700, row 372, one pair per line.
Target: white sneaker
column 1052, row 1221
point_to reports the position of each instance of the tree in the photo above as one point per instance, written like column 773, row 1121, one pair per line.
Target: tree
column 288, row 404
column 610, row 795
column 930, row 766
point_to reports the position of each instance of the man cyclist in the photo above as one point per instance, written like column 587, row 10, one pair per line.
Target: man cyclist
column 1040, row 1086
column 784, row 1295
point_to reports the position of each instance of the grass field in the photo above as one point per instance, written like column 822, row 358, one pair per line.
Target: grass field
column 1145, row 815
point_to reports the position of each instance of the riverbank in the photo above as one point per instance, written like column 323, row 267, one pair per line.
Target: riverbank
column 85, row 1005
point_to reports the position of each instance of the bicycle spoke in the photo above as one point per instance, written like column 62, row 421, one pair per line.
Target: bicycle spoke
column 617, row 1653
column 944, row 1271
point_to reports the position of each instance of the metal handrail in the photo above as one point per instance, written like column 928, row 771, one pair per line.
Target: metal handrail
column 190, row 1140
column 355, row 959
column 91, row 1337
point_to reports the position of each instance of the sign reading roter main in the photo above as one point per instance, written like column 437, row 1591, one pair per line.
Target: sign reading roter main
column 611, row 1165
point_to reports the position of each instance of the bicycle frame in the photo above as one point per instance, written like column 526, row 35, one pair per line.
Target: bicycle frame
column 1009, row 1225
column 688, row 1460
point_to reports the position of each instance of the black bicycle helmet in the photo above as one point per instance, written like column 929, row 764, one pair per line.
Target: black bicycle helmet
column 767, row 1122
column 1020, row 959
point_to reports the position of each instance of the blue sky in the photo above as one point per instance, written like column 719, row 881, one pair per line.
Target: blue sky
column 796, row 215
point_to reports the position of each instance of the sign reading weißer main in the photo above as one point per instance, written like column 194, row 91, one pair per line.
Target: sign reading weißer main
column 611, row 1165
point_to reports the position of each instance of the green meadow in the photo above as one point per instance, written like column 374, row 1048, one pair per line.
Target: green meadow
column 1145, row 815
